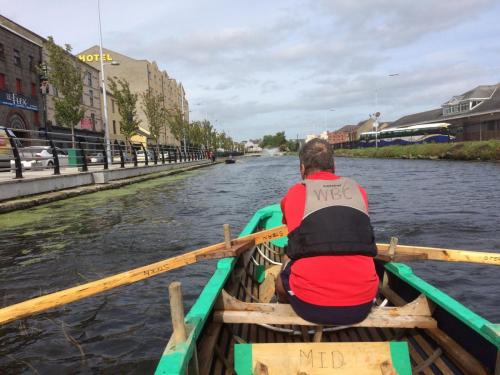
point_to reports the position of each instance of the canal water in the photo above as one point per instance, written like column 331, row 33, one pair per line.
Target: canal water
column 429, row 203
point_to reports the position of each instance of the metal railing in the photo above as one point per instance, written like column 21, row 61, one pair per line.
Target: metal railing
column 22, row 150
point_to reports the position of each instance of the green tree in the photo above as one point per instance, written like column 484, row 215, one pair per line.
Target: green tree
column 207, row 130
column 293, row 145
column 156, row 113
column 176, row 123
column 271, row 141
column 126, row 102
column 65, row 75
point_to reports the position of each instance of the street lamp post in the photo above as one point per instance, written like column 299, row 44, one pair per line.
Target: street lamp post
column 103, row 84
column 324, row 119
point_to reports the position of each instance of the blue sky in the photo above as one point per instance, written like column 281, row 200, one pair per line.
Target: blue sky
column 259, row 67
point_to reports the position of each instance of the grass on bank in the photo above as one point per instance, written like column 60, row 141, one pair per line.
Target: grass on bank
column 480, row 150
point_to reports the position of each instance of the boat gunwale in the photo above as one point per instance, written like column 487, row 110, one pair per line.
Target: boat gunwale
column 175, row 360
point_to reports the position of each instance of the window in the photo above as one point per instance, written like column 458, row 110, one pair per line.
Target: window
column 2, row 81
column 33, row 90
column 17, row 57
column 31, row 63
column 89, row 78
column 92, row 118
column 112, row 106
column 114, row 127
column 2, row 52
column 91, row 97
column 19, row 86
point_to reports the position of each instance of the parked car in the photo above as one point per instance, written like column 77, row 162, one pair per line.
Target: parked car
column 40, row 157
column 6, row 154
column 140, row 155
column 96, row 158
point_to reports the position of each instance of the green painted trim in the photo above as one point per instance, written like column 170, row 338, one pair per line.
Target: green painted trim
column 400, row 357
column 260, row 273
column 243, row 359
column 175, row 362
column 455, row 308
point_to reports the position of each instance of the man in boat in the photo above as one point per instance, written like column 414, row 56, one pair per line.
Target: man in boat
column 328, row 273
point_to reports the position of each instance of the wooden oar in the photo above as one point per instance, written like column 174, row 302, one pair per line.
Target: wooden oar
column 405, row 253
column 220, row 250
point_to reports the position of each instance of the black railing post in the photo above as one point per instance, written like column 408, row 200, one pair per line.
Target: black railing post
column 57, row 169
column 134, row 153
column 105, row 156
column 155, row 158
column 146, row 159
column 55, row 156
column 122, row 159
column 17, row 156
column 82, row 155
column 162, row 155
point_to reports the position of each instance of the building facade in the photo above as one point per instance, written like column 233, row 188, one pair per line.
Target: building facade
column 91, row 124
column 142, row 75
column 473, row 115
column 19, row 83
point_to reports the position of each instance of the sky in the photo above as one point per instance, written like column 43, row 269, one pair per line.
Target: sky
column 300, row 66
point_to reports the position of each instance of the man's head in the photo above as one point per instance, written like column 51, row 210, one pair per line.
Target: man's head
column 316, row 155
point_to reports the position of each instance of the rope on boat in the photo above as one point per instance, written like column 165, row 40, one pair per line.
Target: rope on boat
column 267, row 258
column 271, row 249
column 254, row 261
column 299, row 333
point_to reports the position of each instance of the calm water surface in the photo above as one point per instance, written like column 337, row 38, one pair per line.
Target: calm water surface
column 428, row 203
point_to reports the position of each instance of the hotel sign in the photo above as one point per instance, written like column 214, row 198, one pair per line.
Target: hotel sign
column 18, row 101
column 95, row 57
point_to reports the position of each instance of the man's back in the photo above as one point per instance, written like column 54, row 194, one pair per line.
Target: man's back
column 327, row 280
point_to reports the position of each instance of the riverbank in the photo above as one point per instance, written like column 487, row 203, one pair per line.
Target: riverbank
column 485, row 151
column 39, row 199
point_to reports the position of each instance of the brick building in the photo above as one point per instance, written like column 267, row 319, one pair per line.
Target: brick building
column 91, row 124
column 19, row 93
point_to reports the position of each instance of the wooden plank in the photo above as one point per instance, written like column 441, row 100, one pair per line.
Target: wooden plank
column 232, row 310
column 462, row 358
column 206, row 345
column 324, row 358
column 285, row 315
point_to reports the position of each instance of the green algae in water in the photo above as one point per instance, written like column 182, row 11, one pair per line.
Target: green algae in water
column 39, row 220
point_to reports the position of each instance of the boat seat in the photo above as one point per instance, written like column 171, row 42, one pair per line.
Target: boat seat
column 380, row 358
column 416, row 314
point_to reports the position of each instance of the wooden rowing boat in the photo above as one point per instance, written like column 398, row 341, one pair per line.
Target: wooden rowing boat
column 234, row 326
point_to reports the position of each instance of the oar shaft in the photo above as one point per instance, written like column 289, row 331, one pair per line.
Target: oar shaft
column 448, row 255
column 49, row 301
